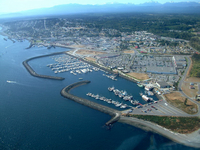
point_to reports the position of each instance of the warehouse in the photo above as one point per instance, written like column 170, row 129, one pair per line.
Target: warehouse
column 161, row 70
column 163, row 84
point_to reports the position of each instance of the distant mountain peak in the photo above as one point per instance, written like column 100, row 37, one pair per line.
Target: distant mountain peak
column 148, row 7
column 152, row 2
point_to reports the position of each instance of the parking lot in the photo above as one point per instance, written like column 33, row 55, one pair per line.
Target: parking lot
column 159, row 108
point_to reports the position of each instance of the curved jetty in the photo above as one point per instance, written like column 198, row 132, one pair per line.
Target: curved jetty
column 33, row 73
column 112, row 112
column 188, row 140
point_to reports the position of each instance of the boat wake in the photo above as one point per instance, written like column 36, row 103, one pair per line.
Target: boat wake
column 11, row 82
column 15, row 82
column 8, row 46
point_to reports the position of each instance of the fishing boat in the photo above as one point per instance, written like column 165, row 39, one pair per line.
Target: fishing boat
column 150, row 93
column 135, row 102
column 123, row 106
column 118, row 104
column 111, row 89
column 148, row 88
column 140, row 85
column 144, row 97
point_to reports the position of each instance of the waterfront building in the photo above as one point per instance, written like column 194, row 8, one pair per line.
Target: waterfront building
column 162, row 84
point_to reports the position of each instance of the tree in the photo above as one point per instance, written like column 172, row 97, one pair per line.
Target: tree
column 185, row 102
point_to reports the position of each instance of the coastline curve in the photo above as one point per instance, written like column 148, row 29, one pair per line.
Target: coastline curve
column 33, row 73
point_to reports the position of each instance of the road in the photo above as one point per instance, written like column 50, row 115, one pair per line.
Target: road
column 185, row 73
column 165, row 109
column 181, row 82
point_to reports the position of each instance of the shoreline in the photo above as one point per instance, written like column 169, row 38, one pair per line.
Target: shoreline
column 103, row 68
column 185, row 139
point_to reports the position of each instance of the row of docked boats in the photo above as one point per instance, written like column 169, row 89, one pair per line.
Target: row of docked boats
column 112, row 77
column 124, row 95
column 110, row 101
column 65, row 63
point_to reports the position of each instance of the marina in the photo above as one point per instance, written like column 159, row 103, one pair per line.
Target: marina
column 123, row 94
column 109, row 101
column 40, row 105
column 33, row 73
column 112, row 112
column 66, row 63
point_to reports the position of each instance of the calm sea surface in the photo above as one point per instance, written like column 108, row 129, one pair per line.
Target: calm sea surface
column 33, row 114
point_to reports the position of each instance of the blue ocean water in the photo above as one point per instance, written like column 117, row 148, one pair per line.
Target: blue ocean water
column 33, row 114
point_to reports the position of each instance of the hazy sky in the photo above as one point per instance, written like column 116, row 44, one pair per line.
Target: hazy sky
column 8, row 6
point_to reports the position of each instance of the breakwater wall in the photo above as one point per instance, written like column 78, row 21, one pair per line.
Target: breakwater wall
column 112, row 112
column 30, row 45
column 33, row 73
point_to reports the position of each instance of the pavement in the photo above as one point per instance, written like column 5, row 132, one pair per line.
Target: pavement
column 161, row 108
column 165, row 109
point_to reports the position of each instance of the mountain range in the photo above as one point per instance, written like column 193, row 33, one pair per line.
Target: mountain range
column 152, row 7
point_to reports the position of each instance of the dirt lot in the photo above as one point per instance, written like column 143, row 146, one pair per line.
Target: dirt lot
column 90, row 59
column 189, row 92
column 77, row 46
column 87, row 52
column 178, row 100
column 140, row 76
column 129, row 51
column 192, row 79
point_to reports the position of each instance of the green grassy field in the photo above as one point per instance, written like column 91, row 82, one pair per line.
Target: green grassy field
column 177, row 124
column 195, row 71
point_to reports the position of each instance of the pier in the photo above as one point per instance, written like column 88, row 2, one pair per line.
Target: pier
column 33, row 73
column 112, row 112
